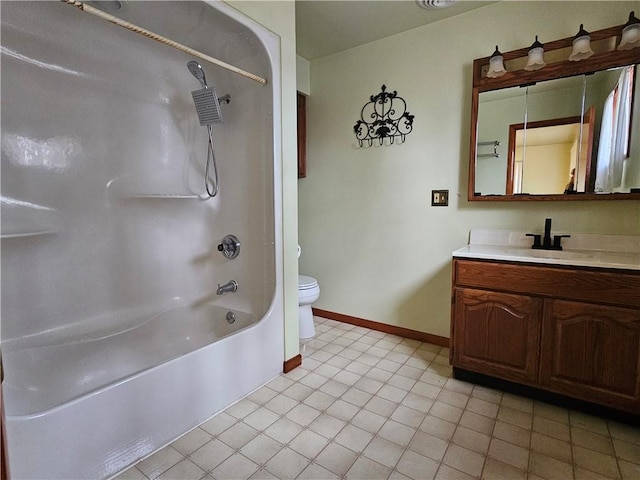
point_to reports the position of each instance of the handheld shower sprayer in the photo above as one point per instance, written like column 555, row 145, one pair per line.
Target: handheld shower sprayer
column 208, row 109
column 205, row 99
column 197, row 71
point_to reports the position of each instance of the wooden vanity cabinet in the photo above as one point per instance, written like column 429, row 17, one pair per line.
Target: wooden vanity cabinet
column 592, row 351
column 569, row 330
column 497, row 333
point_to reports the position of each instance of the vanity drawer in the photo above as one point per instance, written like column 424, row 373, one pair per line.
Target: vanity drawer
column 592, row 285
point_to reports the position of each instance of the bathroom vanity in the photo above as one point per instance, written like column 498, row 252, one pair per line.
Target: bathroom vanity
column 565, row 322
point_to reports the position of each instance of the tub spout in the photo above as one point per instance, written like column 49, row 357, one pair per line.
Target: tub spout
column 231, row 286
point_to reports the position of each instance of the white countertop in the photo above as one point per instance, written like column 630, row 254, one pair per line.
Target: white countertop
column 585, row 250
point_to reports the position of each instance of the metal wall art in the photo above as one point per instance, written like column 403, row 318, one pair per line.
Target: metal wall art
column 385, row 116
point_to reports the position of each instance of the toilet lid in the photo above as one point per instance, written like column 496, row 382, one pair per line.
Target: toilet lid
column 305, row 282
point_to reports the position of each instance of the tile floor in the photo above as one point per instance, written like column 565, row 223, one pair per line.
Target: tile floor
column 368, row 405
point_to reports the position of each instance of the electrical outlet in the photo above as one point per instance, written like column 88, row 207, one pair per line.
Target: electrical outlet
column 439, row 198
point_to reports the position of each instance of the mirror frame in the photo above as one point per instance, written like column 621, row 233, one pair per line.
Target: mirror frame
column 602, row 59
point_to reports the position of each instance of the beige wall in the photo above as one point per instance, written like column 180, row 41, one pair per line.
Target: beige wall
column 303, row 75
column 368, row 232
column 279, row 17
column 546, row 168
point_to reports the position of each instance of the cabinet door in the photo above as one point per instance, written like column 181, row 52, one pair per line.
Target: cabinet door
column 497, row 334
column 592, row 352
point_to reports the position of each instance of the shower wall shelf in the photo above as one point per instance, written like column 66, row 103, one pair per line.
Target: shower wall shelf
column 493, row 143
column 24, row 219
column 132, row 188
column 160, row 195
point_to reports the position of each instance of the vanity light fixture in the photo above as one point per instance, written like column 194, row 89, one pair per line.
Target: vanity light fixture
column 630, row 34
column 496, row 65
column 581, row 45
column 535, row 60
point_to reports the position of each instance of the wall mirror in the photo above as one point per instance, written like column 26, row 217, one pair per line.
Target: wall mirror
column 569, row 131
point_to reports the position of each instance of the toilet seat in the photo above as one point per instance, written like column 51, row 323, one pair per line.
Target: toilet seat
column 306, row 283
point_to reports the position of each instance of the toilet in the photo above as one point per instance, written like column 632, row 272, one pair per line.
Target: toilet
column 308, row 292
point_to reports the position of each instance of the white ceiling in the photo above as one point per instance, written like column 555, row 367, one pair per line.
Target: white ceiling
column 324, row 27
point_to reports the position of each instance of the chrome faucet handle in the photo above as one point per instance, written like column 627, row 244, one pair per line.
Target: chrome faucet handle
column 230, row 246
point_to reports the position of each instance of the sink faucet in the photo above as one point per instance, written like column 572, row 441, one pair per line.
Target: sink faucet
column 230, row 286
column 546, row 241
column 540, row 243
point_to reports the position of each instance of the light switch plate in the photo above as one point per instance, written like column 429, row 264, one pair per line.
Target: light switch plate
column 439, row 198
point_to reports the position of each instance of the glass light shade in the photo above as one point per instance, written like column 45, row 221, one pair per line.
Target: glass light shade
column 581, row 46
column 535, row 59
column 630, row 34
column 496, row 65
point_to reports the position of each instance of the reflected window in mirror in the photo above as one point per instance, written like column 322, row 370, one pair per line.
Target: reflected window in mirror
column 618, row 143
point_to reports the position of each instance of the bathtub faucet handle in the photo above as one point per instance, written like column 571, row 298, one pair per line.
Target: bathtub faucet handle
column 230, row 286
column 230, row 246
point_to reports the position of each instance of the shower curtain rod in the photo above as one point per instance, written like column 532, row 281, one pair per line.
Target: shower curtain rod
column 164, row 40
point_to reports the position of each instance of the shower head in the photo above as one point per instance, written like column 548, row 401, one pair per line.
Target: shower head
column 207, row 106
column 205, row 99
column 196, row 70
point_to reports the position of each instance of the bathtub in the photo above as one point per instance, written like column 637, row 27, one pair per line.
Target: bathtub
column 114, row 341
column 69, row 434
column 70, row 366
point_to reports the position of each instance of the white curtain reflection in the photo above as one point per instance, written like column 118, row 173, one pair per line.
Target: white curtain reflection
column 614, row 134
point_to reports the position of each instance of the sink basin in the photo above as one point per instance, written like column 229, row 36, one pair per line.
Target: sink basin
column 581, row 249
column 552, row 254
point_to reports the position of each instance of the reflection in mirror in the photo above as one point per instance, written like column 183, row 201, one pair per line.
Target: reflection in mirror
column 497, row 110
column 606, row 153
column 617, row 129
column 556, row 158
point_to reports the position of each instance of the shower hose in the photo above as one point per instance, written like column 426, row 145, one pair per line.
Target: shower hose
column 211, row 184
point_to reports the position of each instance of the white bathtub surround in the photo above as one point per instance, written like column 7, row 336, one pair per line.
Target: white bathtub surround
column 581, row 249
column 114, row 340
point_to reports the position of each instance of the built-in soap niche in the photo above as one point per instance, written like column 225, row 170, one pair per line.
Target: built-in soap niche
column 25, row 219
